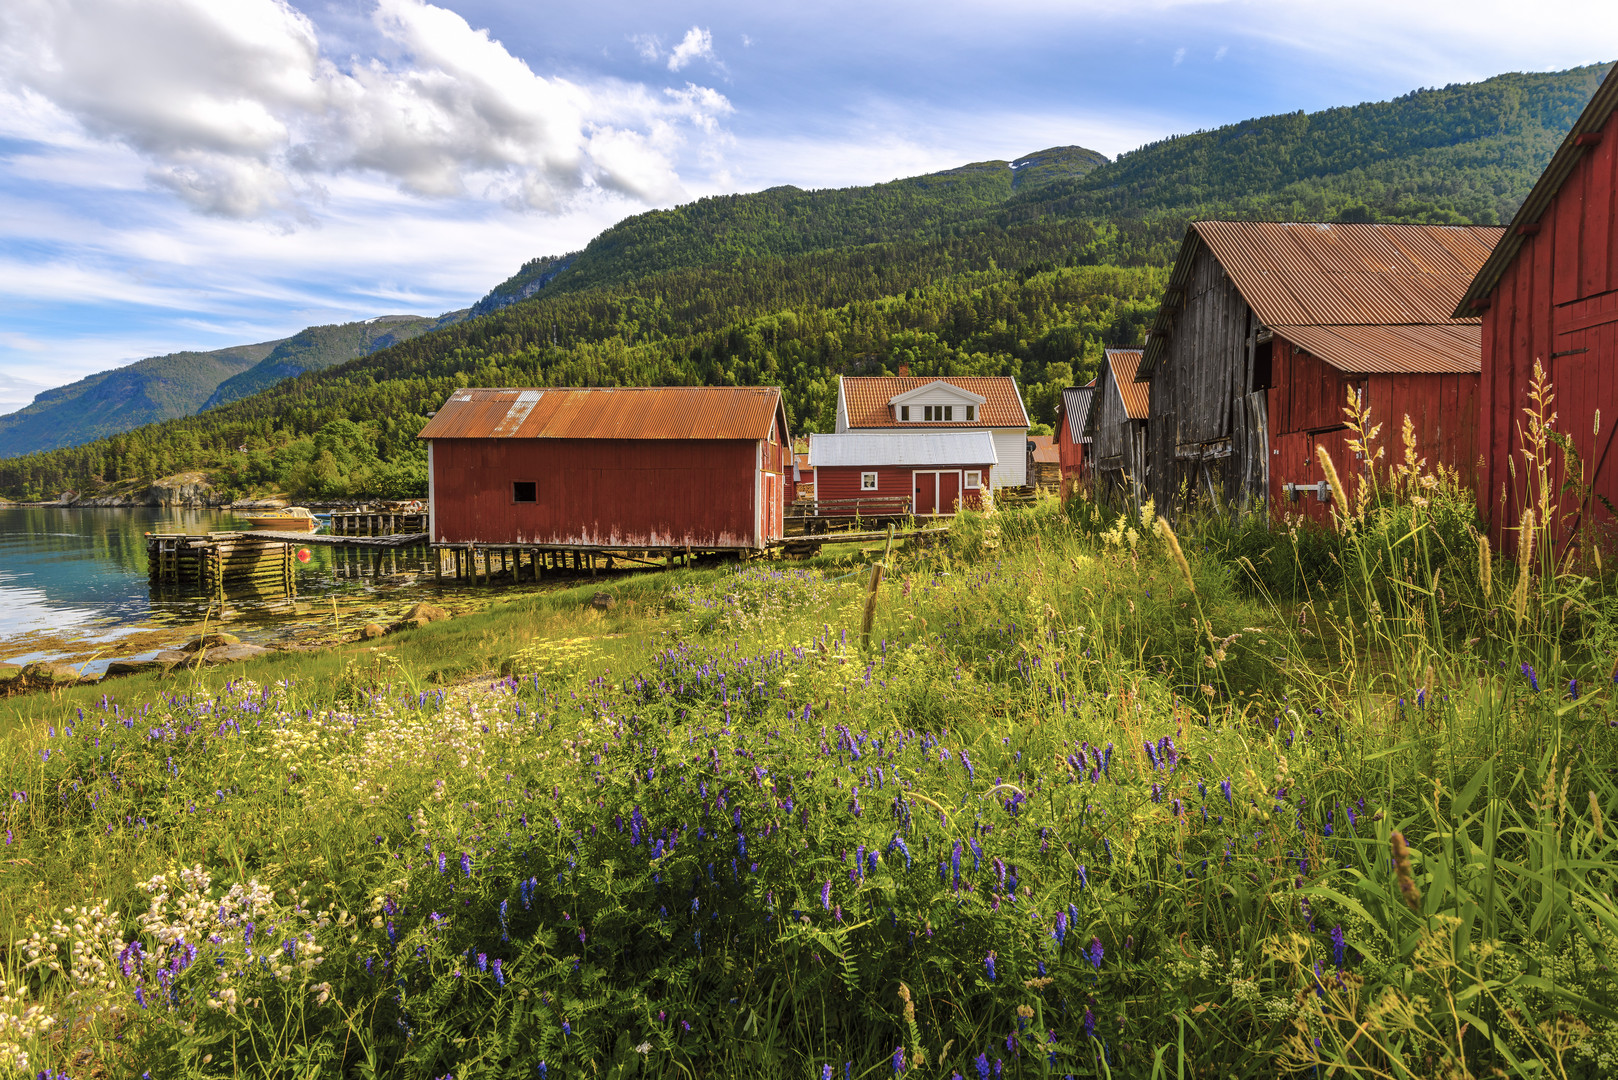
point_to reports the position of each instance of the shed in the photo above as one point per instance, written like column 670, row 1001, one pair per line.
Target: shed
column 1119, row 421
column 1071, row 440
column 933, row 471
column 1549, row 294
column 670, row 468
column 1265, row 328
column 902, row 404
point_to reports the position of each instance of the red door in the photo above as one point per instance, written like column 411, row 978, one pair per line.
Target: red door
column 949, row 492
column 926, row 493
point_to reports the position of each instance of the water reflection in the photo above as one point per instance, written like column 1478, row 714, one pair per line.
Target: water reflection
column 81, row 574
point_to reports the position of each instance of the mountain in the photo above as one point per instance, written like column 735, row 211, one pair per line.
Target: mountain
column 319, row 347
column 157, row 388
column 1024, row 267
column 786, row 221
column 184, row 383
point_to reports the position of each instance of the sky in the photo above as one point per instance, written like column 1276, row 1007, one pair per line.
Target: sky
column 191, row 174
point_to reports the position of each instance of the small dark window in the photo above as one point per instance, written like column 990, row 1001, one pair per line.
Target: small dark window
column 1261, row 367
column 904, row 412
column 969, row 412
column 524, row 491
column 949, row 412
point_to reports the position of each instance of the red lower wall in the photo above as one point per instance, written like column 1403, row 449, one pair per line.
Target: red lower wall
column 600, row 492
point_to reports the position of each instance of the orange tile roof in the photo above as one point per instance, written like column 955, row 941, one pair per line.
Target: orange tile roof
column 866, row 399
column 655, row 412
column 1136, row 395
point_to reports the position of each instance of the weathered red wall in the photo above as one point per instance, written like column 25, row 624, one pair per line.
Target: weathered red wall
column 600, row 492
column 1559, row 294
column 1070, row 453
column 1306, row 409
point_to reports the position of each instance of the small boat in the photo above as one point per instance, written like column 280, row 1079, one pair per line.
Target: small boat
column 292, row 519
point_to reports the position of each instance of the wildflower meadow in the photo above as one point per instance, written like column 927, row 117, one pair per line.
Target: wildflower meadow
column 1098, row 798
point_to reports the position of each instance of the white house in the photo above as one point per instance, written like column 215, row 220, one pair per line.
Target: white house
column 897, row 404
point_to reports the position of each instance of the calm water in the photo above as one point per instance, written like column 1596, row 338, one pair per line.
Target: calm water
column 80, row 575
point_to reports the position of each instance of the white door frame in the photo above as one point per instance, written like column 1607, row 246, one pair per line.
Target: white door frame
column 960, row 487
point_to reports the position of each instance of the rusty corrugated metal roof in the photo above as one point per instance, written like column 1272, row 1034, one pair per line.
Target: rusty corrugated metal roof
column 1047, row 453
column 866, row 398
column 1331, row 274
column 1349, row 273
column 660, row 412
column 1040, row 441
column 1076, row 406
column 1456, row 348
column 1137, row 395
column 1590, row 122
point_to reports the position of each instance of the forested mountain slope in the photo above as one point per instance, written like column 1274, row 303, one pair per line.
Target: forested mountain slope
column 318, row 347
column 157, row 388
column 987, row 269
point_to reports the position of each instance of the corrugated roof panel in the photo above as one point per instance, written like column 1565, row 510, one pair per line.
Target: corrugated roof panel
column 1137, row 395
column 903, row 448
column 1305, row 274
column 664, row 412
column 867, row 399
column 1076, row 404
column 1454, row 349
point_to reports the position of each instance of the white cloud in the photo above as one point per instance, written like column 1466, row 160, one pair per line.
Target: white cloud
column 234, row 107
column 649, row 46
column 1221, row 52
column 1179, row 56
column 696, row 45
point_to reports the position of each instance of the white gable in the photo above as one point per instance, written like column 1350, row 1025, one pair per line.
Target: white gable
column 937, row 392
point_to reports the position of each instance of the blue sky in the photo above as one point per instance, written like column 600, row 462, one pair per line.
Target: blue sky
column 198, row 173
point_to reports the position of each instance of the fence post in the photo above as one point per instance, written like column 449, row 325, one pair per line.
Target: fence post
column 877, row 570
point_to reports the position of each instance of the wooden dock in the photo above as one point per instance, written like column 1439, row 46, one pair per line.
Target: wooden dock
column 216, row 563
column 322, row 540
column 378, row 523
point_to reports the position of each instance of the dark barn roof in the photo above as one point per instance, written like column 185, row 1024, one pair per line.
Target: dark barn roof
column 1076, row 406
column 659, row 412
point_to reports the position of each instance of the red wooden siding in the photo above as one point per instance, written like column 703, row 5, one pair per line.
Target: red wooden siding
column 837, row 482
column 1070, row 453
column 1306, row 407
column 705, row 493
column 1557, row 302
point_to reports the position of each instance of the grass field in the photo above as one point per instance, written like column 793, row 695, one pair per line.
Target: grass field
column 1095, row 800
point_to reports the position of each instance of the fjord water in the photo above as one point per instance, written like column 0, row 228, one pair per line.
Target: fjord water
column 80, row 574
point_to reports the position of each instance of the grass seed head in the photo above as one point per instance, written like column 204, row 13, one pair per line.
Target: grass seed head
column 1174, row 550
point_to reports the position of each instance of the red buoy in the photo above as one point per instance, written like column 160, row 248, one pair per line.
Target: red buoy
column 303, row 554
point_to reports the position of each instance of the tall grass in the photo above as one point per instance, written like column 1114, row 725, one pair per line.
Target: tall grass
column 1098, row 800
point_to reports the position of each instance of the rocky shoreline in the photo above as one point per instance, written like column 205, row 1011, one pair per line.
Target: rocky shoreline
column 211, row 648
column 184, row 491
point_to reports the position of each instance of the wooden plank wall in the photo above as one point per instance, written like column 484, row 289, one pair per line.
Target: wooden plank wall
column 1557, row 303
column 1199, row 393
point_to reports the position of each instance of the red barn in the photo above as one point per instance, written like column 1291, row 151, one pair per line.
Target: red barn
column 645, row 468
column 1265, row 329
column 1549, row 295
column 936, row 471
column 1071, row 441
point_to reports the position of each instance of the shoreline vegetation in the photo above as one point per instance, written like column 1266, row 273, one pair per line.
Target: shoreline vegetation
column 1100, row 798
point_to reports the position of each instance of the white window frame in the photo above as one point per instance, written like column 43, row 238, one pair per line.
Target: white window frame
column 868, row 481
column 972, row 480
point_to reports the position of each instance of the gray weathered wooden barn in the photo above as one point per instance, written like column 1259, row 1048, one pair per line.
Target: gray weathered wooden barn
column 1267, row 326
column 1118, row 423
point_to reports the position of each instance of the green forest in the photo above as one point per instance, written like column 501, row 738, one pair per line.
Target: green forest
column 984, row 269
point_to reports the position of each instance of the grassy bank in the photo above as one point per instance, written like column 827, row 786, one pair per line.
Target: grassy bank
column 1095, row 801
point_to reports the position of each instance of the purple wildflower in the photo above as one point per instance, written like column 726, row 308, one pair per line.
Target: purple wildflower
column 1096, row 953
column 499, row 974
column 988, row 964
column 1089, row 1023
column 1533, row 679
column 1339, row 950
column 825, row 895
column 466, row 865
column 982, row 1064
column 898, row 1060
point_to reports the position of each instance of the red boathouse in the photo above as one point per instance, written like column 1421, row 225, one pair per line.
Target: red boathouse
column 673, row 468
column 1549, row 295
column 935, row 471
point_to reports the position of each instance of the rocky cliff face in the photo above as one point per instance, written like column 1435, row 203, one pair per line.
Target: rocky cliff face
column 183, row 489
